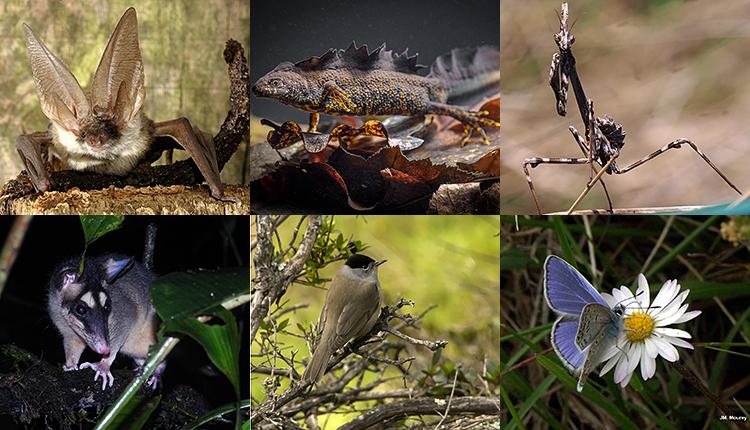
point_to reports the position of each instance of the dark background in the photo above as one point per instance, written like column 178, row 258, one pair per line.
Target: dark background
column 182, row 243
column 298, row 29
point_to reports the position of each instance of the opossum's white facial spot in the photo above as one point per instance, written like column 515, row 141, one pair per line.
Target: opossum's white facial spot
column 88, row 299
column 102, row 299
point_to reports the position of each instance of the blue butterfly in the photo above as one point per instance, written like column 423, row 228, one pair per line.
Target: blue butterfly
column 587, row 326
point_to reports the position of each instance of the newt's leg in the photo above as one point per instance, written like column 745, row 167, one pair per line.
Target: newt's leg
column 314, row 120
column 333, row 92
column 472, row 121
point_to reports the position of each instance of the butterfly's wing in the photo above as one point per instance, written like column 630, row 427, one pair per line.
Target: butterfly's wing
column 565, row 289
column 118, row 82
column 60, row 95
column 563, row 337
column 594, row 349
column 598, row 326
column 594, row 319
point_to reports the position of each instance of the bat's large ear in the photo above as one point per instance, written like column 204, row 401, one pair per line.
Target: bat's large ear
column 118, row 81
column 61, row 97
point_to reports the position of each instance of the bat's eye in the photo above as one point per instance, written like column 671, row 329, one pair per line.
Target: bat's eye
column 106, row 307
column 80, row 309
column 83, row 134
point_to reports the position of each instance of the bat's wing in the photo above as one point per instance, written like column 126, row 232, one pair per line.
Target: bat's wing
column 118, row 81
column 61, row 97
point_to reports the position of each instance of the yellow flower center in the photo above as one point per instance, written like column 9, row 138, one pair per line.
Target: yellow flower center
column 639, row 326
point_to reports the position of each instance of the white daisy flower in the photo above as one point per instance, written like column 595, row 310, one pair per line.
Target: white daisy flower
column 646, row 334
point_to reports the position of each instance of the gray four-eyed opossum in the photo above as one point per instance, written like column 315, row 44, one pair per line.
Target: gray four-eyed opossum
column 107, row 308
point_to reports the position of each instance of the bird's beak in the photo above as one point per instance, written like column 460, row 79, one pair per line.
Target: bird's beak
column 378, row 263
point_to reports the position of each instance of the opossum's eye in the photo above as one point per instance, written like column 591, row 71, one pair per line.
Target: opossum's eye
column 80, row 309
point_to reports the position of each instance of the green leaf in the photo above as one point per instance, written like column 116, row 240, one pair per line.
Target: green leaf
column 588, row 392
column 538, row 392
column 180, row 294
column 509, row 404
column 96, row 226
column 220, row 341
column 135, row 413
column 216, row 413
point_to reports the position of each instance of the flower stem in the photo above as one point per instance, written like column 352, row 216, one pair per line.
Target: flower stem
column 693, row 379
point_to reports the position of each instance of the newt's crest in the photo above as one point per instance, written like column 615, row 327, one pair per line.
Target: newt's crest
column 357, row 58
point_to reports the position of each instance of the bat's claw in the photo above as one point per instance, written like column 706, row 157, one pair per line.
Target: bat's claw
column 102, row 370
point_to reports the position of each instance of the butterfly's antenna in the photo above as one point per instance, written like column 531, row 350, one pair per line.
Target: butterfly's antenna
column 634, row 300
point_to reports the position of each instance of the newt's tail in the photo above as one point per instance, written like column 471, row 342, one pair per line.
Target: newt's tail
column 470, row 73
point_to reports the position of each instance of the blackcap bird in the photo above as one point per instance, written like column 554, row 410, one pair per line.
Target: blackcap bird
column 351, row 309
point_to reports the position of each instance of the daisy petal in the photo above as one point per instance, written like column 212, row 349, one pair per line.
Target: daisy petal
column 673, row 332
column 643, row 295
column 666, row 350
column 634, row 356
column 651, row 349
column 621, row 371
column 687, row 316
column 665, row 295
column 678, row 342
column 648, row 367
column 609, row 299
column 609, row 365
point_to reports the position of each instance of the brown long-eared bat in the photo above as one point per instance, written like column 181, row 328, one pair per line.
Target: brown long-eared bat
column 104, row 129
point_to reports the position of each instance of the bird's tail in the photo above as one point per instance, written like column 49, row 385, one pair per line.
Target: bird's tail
column 318, row 363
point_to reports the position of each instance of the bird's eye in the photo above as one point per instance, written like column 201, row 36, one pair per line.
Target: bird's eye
column 80, row 309
column 83, row 134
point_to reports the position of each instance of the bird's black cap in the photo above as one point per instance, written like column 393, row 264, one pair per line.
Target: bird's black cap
column 359, row 261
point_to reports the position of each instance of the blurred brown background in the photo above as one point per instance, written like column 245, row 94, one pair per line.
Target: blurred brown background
column 663, row 68
column 181, row 43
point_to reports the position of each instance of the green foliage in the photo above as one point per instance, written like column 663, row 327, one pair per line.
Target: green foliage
column 96, row 226
column 186, row 294
column 330, row 245
column 136, row 413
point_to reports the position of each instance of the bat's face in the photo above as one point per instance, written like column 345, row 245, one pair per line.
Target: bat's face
column 91, row 124
column 98, row 132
